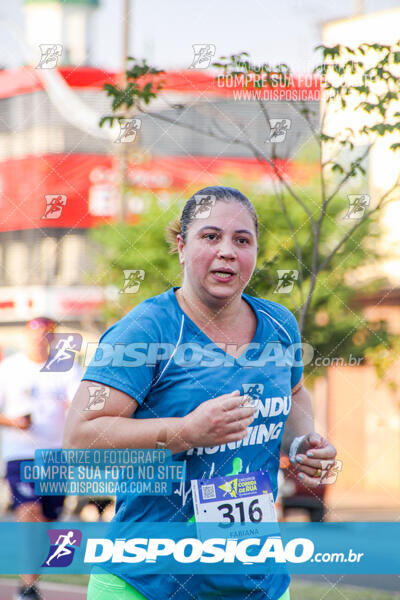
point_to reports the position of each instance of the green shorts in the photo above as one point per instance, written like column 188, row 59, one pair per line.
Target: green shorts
column 106, row 586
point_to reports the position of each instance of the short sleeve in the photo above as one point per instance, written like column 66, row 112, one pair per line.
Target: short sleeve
column 297, row 368
column 122, row 360
column 289, row 334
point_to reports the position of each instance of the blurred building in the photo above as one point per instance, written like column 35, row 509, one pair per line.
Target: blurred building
column 60, row 173
column 384, row 164
column 360, row 412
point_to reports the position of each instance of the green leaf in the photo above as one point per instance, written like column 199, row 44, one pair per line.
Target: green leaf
column 326, row 138
column 391, row 96
column 380, row 128
column 362, row 89
column 104, row 120
column 332, row 52
column 337, row 167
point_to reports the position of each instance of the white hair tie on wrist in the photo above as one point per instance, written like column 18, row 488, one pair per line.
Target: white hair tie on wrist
column 294, row 446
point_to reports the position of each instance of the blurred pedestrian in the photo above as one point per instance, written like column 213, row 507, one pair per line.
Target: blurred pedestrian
column 33, row 405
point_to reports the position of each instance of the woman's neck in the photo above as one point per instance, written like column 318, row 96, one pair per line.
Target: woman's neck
column 223, row 313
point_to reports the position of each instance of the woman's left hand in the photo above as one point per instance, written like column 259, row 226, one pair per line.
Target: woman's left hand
column 314, row 459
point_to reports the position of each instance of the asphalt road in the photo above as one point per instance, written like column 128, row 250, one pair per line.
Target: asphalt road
column 50, row 591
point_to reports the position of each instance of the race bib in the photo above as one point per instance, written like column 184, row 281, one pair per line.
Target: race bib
column 241, row 498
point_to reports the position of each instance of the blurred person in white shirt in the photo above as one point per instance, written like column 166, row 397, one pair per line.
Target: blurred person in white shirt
column 33, row 406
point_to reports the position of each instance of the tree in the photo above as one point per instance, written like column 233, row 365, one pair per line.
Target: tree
column 323, row 246
column 141, row 247
column 333, row 329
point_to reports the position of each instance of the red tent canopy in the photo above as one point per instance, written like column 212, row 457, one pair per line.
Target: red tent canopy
column 85, row 187
column 193, row 82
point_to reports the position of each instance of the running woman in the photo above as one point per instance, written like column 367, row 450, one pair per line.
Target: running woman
column 196, row 403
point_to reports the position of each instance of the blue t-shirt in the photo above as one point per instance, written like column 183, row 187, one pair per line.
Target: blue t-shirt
column 157, row 355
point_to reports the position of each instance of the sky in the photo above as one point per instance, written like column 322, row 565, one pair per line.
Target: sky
column 164, row 31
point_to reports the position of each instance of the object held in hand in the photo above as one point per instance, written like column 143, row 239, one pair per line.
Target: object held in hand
column 294, row 446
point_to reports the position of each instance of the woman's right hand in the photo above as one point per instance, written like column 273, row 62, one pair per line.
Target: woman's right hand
column 219, row 420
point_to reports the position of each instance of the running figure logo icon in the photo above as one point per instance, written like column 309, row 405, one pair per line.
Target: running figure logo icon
column 63, row 347
column 97, row 397
column 255, row 392
column 278, row 130
column 50, row 53
column 230, row 487
column 204, row 204
column 286, row 279
column 62, row 547
column 358, row 203
column 54, row 206
column 203, row 54
column 133, row 279
column 128, row 129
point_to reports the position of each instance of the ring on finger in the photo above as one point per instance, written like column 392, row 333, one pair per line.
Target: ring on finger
column 318, row 473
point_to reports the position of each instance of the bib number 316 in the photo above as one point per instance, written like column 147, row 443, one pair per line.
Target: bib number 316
column 239, row 509
column 241, row 498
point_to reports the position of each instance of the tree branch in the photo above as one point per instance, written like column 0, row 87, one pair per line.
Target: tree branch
column 380, row 205
column 305, row 308
column 261, row 157
column 236, row 140
column 298, row 249
column 347, row 176
column 306, row 118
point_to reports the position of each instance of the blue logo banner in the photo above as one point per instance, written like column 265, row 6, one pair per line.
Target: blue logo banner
column 178, row 548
